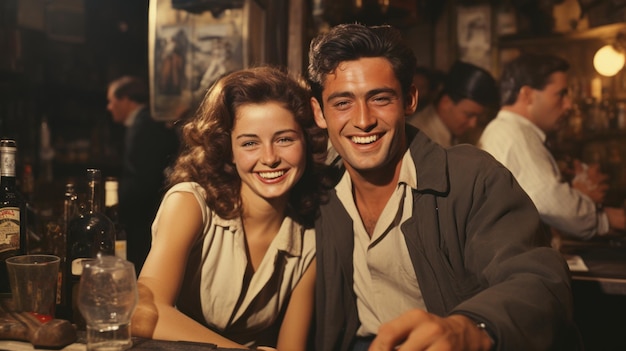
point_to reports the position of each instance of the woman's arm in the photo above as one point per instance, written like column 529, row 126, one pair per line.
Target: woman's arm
column 180, row 223
column 294, row 330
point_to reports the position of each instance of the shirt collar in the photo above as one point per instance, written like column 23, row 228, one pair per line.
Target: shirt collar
column 133, row 115
column 288, row 238
column 408, row 176
column 520, row 120
column 443, row 132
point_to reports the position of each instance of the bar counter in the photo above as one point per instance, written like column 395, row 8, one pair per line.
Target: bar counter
column 598, row 270
column 603, row 261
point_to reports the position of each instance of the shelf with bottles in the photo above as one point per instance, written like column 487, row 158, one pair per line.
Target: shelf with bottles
column 605, row 32
column 590, row 120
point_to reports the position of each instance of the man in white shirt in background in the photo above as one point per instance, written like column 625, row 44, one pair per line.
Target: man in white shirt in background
column 534, row 97
column 467, row 95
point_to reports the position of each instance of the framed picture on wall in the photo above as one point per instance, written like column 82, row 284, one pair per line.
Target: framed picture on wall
column 190, row 48
column 473, row 24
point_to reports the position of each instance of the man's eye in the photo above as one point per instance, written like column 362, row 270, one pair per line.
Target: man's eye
column 382, row 100
column 341, row 104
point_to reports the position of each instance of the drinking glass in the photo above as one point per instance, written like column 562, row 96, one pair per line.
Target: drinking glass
column 107, row 297
column 33, row 280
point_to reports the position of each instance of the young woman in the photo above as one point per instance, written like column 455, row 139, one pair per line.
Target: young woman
column 232, row 260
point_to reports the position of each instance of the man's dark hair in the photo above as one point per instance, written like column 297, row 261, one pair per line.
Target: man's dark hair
column 350, row 42
column 467, row 81
column 131, row 87
column 531, row 70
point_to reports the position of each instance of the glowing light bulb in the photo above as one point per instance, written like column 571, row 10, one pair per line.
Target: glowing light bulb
column 608, row 61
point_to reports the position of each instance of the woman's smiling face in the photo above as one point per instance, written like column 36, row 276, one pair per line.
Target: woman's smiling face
column 269, row 150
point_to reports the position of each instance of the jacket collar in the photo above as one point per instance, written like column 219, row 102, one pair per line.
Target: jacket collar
column 430, row 162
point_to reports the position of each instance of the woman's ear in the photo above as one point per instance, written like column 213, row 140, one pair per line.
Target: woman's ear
column 318, row 113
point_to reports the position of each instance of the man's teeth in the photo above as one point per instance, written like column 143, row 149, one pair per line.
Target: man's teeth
column 364, row 140
column 271, row 175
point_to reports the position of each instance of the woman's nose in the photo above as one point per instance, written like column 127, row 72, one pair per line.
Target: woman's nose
column 270, row 157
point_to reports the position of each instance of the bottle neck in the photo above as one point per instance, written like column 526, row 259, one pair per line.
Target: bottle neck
column 7, row 161
column 7, row 166
column 95, row 197
column 110, row 197
column 95, row 193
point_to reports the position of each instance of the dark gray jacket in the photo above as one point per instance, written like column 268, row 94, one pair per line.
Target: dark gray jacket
column 477, row 249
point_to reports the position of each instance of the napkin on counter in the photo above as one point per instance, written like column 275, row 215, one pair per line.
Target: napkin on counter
column 576, row 263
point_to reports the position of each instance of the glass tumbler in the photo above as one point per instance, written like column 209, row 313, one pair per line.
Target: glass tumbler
column 107, row 298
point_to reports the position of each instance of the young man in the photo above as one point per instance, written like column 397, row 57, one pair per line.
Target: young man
column 421, row 246
column 468, row 93
column 534, row 101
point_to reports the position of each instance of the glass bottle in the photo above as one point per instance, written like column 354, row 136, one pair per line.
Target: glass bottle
column 13, row 235
column 111, row 210
column 89, row 234
column 58, row 246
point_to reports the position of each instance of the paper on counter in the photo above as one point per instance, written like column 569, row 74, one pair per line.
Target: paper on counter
column 576, row 263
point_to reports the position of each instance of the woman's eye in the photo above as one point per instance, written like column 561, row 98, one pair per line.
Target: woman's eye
column 248, row 144
column 284, row 140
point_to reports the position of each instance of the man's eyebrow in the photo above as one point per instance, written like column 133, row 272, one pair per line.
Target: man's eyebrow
column 381, row 91
column 344, row 94
column 340, row 94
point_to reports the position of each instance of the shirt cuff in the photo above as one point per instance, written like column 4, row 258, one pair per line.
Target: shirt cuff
column 603, row 223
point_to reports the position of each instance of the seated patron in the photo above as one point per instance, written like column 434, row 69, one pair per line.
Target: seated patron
column 535, row 98
column 468, row 94
column 420, row 247
column 233, row 254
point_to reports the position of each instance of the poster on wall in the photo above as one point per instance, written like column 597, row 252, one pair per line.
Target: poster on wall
column 474, row 35
column 190, row 50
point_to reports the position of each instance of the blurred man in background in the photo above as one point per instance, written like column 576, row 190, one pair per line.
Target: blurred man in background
column 149, row 146
column 467, row 94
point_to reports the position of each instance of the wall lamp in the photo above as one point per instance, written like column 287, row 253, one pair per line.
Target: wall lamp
column 610, row 58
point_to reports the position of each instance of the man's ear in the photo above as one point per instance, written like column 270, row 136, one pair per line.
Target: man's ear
column 526, row 94
column 318, row 113
column 411, row 101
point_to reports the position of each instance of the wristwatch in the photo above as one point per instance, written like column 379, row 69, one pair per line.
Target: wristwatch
column 482, row 326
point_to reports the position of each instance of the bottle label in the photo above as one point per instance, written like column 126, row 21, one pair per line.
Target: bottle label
column 120, row 248
column 7, row 163
column 77, row 265
column 9, row 229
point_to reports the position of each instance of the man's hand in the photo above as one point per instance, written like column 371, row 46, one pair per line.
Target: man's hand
column 590, row 181
column 617, row 217
column 420, row 330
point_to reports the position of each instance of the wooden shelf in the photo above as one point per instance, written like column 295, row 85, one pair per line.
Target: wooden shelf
column 606, row 32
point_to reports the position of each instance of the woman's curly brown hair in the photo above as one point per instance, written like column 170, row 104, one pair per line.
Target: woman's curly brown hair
column 206, row 157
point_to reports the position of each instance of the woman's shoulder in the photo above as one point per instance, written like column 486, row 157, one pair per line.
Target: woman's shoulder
column 195, row 189
column 189, row 187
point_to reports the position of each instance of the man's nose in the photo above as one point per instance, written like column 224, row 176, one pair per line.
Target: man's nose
column 363, row 117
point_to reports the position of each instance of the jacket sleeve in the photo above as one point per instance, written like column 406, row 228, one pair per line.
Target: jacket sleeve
column 527, row 300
